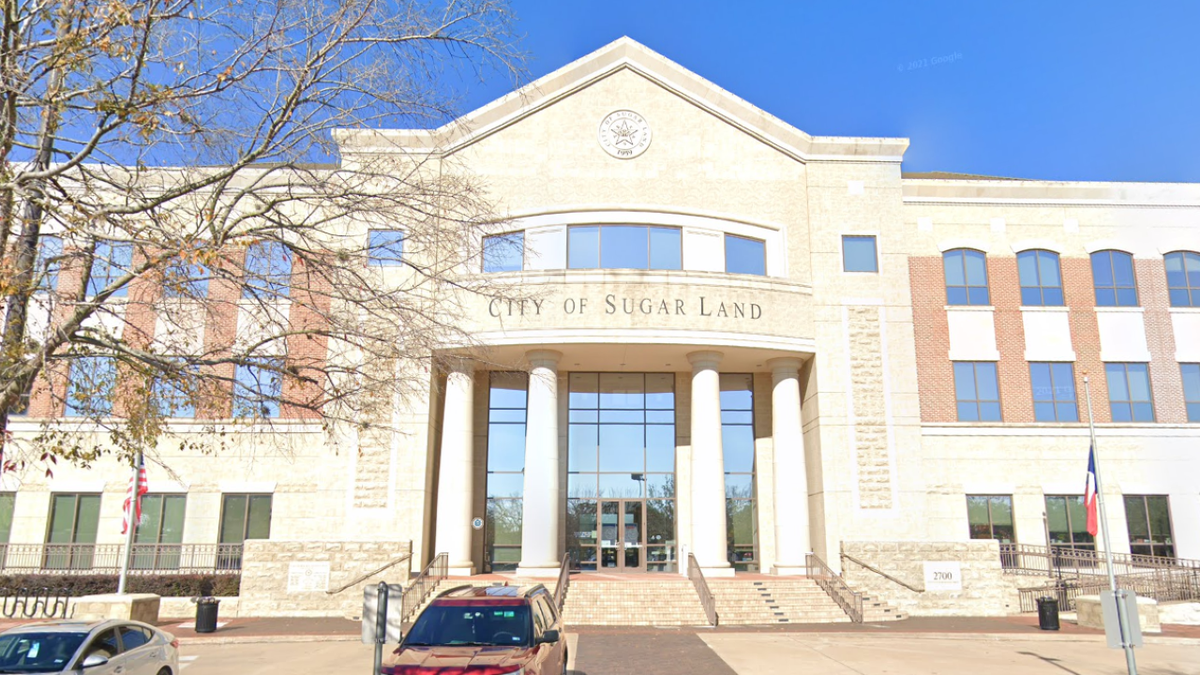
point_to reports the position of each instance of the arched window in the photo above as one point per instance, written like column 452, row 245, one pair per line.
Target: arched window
column 1183, row 278
column 966, row 277
column 1041, row 282
column 1112, row 276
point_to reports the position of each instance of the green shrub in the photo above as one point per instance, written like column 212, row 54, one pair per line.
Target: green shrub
column 166, row 585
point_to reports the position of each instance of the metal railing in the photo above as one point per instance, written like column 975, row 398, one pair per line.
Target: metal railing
column 34, row 603
column 367, row 575
column 706, row 596
column 1062, row 562
column 1162, row 586
column 424, row 585
column 106, row 558
column 564, row 580
column 835, row 587
column 881, row 573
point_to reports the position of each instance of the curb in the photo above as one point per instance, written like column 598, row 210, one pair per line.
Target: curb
column 263, row 639
column 991, row 637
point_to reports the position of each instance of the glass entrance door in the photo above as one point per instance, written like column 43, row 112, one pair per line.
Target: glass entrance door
column 622, row 536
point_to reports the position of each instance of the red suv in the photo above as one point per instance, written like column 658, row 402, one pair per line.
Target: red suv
column 492, row 630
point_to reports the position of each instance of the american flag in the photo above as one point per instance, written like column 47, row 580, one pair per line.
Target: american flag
column 133, row 496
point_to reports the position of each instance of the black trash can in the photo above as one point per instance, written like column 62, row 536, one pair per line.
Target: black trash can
column 206, row 615
column 1047, row 613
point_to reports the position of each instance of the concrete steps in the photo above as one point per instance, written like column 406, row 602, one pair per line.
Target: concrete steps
column 671, row 601
column 773, row 601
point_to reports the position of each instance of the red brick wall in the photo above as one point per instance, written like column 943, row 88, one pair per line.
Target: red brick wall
column 935, row 375
column 220, row 329
column 1085, row 336
column 1016, row 392
column 1166, row 380
column 306, row 351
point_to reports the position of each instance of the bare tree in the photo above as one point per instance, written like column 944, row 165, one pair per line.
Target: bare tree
column 177, row 233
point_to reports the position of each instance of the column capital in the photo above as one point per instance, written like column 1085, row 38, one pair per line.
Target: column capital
column 705, row 359
column 787, row 366
column 546, row 358
column 458, row 364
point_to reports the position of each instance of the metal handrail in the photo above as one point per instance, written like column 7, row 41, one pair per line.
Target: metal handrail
column 835, row 587
column 881, row 573
column 106, row 558
column 706, row 597
column 564, row 580
column 426, row 582
column 363, row 577
column 1076, row 563
column 1162, row 586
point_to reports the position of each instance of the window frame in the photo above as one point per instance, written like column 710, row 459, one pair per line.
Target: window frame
column 502, row 237
column 503, row 415
column 108, row 264
column 991, row 523
column 725, row 247
column 600, row 227
column 1153, row 544
column 249, row 497
column 266, row 283
column 978, row 402
column 1039, row 285
column 962, row 254
column 1112, row 271
column 1130, row 402
column 1186, row 259
column 1054, row 401
column 874, row 240
column 1073, row 545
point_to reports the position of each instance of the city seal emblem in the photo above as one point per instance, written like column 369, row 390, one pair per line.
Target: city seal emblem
column 624, row 134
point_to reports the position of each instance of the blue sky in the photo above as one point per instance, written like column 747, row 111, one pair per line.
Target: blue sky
column 1051, row 90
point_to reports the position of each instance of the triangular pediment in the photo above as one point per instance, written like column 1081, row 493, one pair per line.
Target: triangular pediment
column 621, row 55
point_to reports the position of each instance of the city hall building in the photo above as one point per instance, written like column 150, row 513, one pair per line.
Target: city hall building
column 737, row 341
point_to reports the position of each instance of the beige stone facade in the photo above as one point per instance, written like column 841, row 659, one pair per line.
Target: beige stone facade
column 886, row 465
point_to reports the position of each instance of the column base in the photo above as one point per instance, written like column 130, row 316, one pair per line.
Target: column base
column 789, row 570
column 538, row 571
column 710, row 572
column 460, row 571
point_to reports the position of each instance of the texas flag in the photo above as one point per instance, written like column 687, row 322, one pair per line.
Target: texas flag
column 1089, row 494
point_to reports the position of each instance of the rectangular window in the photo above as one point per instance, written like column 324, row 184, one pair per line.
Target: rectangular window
column 91, row 386
column 268, row 269
column 1183, row 278
column 1041, row 283
column 505, row 470
column 172, row 397
column 110, row 261
column 159, row 535
column 71, row 536
column 504, row 252
column 1191, row 390
column 858, row 254
column 1054, row 392
column 976, row 391
column 745, row 256
column 257, row 389
column 1113, row 279
column 21, row 407
column 991, row 517
column 1129, row 396
column 385, row 247
column 50, row 250
column 1067, row 520
column 245, row 517
column 186, row 280
column 1149, row 520
column 633, row 247
column 737, row 439
column 8, row 501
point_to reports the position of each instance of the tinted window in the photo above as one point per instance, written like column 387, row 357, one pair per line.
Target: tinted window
column 966, row 277
column 1183, row 278
column 1041, row 283
column 1112, row 276
column 1191, row 390
column 132, row 637
column 977, row 391
column 105, row 644
column 38, row 652
column 636, row 247
column 745, row 256
column 1129, row 397
column 507, row 625
column 504, row 252
column 1053, row 392
column 858, row 254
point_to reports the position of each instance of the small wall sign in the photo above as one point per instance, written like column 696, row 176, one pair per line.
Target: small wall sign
column 308, row 577
column 943, row 576
column 477, row 523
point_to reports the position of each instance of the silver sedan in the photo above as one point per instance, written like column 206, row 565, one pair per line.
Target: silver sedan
column 109, row 647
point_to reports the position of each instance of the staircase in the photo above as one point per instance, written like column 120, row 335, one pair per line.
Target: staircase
column 785, row 600
column 670, row 601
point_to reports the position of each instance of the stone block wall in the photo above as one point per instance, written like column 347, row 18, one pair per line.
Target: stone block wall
column 986, row 590
column 273, row 571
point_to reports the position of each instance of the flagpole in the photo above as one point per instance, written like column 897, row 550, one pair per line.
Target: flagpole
column 1118, row 595
column 131, row 520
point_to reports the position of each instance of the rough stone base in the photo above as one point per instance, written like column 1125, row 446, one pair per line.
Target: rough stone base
column 1089, row 614
column 133, row 606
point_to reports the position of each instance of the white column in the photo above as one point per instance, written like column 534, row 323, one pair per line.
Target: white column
column 540, row 510
column 456, row 487
column 708, row 467
column 792, row 542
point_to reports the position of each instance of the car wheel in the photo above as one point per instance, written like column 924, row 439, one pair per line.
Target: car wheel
column 164, row 671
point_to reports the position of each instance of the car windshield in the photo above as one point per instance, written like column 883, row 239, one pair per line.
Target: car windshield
column 37, row 652
column 487, row 625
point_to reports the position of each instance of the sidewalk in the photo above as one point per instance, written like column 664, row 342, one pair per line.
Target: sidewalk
column 300, row 629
